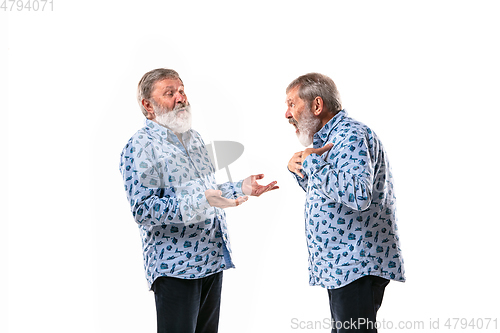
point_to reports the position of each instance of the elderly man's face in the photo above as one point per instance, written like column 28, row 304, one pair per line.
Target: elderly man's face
column 168, row 93
column 300, row 115
column 171, row 106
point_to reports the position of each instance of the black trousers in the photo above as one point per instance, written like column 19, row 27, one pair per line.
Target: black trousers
column 188, row 306
column 354, row 307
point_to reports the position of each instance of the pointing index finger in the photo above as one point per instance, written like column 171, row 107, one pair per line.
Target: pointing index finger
column 326, row 147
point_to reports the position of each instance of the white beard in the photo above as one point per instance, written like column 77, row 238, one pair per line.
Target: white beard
column 175, row 120
column 307, row 125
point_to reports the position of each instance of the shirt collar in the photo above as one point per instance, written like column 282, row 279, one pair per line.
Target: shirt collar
column 321, row 137
column 156, row 128
column 166, row 133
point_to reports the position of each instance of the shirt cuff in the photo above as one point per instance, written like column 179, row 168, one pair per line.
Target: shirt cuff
column 237, row 189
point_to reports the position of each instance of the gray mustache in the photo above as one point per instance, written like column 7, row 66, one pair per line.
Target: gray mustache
column 181, row 106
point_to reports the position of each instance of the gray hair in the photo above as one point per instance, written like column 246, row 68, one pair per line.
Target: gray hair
column 313, row 85
column 148, row 81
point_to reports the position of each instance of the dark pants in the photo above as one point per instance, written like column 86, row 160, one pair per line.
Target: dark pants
column 354, row 307
column 188, row 306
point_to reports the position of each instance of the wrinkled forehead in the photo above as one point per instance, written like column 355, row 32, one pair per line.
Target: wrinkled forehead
column 293, row 95
column 168, row 84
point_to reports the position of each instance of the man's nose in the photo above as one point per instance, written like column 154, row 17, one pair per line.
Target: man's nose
column 288, row 114
column 180, row 98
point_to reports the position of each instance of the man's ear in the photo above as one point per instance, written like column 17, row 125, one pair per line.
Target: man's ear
column 149, row 108
column 317, row 106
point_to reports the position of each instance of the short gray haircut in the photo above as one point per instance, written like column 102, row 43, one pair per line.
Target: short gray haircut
column 313, row 85
column 148, row 81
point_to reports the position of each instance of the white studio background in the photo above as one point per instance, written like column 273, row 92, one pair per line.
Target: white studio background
column 423, row 74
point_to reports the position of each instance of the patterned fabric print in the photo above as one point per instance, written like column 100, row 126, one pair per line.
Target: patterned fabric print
column 350, row 210
column 182, row 235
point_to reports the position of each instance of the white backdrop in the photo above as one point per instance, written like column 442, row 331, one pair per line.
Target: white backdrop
column 424, row 75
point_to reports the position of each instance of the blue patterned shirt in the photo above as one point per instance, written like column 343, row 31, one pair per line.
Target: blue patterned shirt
column 182, row 235
column 350, row 209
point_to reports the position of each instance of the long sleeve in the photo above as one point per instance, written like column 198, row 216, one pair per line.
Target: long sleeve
column 346, row 174
column 151, row 201
column 350, row 209
column 301, row 181
column 165, row 179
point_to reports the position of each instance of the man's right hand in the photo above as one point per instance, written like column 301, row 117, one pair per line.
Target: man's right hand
column 295, row 164
column 215, row 199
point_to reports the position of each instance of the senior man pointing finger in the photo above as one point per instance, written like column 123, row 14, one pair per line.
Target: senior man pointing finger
column 350, row 209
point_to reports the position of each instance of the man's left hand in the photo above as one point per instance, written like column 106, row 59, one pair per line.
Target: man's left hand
column 251, row 187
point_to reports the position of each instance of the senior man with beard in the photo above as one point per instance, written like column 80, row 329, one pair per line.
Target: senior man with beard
column 350, row 209
column 178, row 206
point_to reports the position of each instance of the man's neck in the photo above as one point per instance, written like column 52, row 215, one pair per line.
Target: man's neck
column 328, row 117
